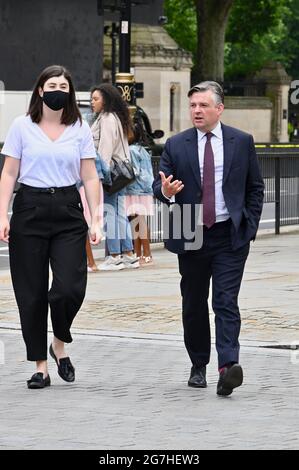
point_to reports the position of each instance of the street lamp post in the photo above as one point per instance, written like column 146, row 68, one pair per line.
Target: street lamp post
column 125, row 80
column 112, row 33
column 125, row 37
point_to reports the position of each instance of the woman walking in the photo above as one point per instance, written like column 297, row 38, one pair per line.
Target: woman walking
column 51, row 149
column 110, row 132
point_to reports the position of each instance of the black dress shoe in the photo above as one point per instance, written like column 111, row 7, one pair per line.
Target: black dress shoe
column 38, row 381
column 66, row 369
column 229, row 378
column 198, row 377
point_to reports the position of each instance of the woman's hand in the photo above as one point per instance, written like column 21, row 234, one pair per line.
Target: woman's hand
column 4, row 229
column 95, row 233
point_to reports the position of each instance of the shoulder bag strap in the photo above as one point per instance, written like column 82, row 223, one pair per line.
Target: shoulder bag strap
column 120, row 134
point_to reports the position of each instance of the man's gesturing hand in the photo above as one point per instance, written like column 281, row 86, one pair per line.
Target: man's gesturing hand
column 170, row 188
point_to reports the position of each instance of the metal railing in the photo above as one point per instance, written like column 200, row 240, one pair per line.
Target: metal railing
column 279, row 165
column 245, row 88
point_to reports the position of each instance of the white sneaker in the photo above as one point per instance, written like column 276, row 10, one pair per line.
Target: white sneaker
column 130, row 261
column 112, row 263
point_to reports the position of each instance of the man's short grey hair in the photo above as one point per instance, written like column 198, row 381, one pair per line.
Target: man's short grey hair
column 208, row 85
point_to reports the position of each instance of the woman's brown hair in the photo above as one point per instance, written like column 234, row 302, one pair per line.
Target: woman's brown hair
column 114, row 103
column 71, row 111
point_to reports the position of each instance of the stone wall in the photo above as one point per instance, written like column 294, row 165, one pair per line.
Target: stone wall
column 157, row 97
column 250, row 114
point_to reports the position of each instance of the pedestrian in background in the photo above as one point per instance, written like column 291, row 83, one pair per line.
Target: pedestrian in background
column 51, row 149
column 139, row 198
column 111, row 131
column 91, row 263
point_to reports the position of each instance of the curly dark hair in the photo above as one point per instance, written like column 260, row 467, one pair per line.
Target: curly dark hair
column 71, row 111
column 114, row 103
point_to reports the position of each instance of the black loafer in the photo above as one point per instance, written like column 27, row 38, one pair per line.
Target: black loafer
column 198, row 377
column 66, row 369
column 38, row 381
column 229, row 378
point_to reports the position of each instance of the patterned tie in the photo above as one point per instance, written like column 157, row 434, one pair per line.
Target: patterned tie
column 208, row 186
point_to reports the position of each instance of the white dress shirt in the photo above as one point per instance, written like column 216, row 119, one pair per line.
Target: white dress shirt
column 217, row 147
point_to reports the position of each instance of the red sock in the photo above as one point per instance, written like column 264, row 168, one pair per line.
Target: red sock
column 226, row 366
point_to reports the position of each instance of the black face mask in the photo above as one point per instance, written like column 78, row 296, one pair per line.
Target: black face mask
column 56, row 100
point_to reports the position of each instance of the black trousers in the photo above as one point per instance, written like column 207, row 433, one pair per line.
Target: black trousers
column 47, row 226
column 217, row 261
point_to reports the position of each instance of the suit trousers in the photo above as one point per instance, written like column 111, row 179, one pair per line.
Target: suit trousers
column 217, row 261
column 47, row 227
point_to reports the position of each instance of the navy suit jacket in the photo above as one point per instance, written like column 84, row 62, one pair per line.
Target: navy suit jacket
column 242, row 185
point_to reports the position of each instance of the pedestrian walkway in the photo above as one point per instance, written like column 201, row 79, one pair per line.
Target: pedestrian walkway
column 147, row 300
column 132, row 369
column 133, row 394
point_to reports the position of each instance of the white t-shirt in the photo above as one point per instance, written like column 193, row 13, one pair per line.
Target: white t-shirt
column 46, row 163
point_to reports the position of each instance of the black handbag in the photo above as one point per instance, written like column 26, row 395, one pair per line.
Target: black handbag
column 121, row 172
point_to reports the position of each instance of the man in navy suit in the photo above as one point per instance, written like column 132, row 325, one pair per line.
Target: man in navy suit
column 209, row 176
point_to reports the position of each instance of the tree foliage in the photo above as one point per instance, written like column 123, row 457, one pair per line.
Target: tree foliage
column 254, row 36
column 289, row 46
column 257, row 31
column 182, row 25
column 254, row 18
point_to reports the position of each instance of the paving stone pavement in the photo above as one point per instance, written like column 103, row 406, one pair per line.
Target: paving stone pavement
column 132, row 367
column 132, row 394
column 147, row 300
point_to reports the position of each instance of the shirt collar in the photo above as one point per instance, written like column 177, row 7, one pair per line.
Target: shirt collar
column 217, row 131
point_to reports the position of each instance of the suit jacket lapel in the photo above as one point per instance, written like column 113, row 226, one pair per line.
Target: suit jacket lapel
column 228, row 150
column 191, row 144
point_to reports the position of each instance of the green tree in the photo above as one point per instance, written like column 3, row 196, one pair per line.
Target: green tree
column 290, row 43
column 255, row 33
column 194, row 24
column 212, row 17
column 182, row 25
column 241, row 35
